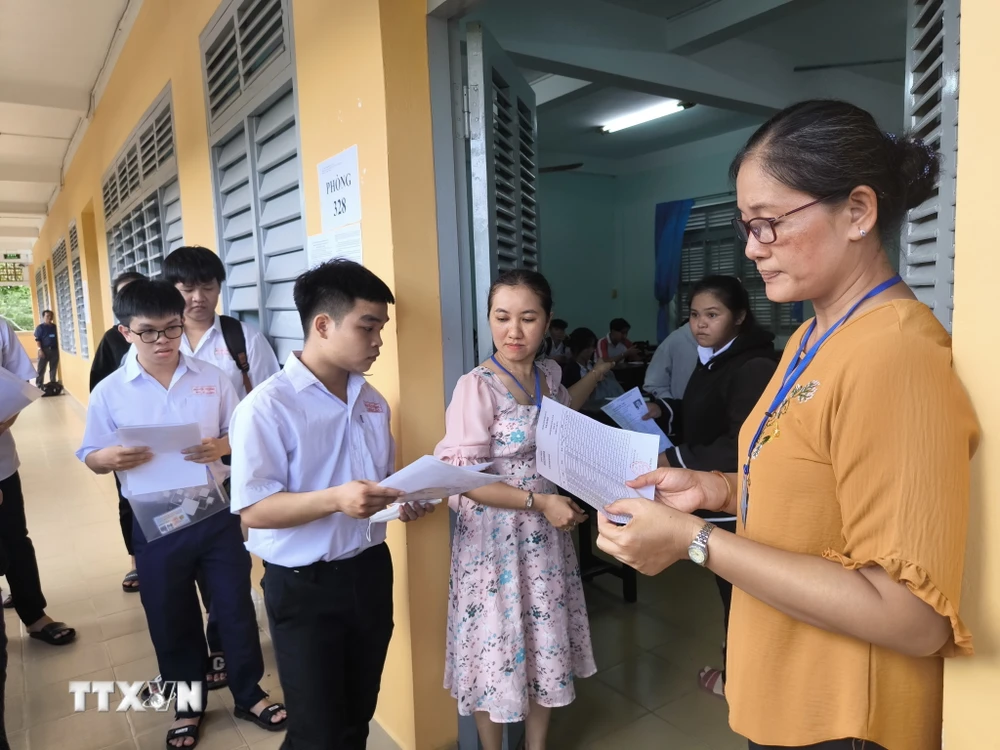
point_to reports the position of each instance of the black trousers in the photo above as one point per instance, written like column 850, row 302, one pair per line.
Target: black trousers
column 3, row 663
column 846, row 744
column 48, row 357
column 22, row 567
column 125, row 520
column 331, row 623
column 169, row 568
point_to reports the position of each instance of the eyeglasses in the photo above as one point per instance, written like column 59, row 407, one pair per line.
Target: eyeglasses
column 151, row 337
column 762, row 228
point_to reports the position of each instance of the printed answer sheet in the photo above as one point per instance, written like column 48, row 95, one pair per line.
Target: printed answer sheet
column 628, row 411
column 428, row 480
column 592, row 460
column 168, row 470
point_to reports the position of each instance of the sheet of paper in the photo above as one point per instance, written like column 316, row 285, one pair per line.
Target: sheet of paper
column 344, row 242
column 429, row 480
column 628, row 411
column 340, row 190
column 168, row 470
column 592, row 460
column 15, row 394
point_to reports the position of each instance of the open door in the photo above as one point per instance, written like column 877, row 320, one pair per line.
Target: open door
column 503, row 169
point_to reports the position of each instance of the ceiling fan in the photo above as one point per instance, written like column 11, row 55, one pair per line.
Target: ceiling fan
column 560, row 168
column 858, row 64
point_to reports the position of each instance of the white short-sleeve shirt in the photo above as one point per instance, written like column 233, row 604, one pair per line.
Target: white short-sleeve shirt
column 292, row 435
column 212, row 349
column 131, row 397
column 14, row 359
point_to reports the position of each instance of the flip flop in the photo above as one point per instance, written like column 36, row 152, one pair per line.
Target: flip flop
column 711, row 681
column 218, row 666
column 132, row 575
column 264, row 720
column 49, row 634
column 191, row 730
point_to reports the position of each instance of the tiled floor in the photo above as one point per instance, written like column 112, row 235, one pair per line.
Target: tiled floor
column 644, row 696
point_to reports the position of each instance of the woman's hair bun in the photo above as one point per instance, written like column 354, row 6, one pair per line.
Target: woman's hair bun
column 917, row 166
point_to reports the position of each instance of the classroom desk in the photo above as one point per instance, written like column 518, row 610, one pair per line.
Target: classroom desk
column 631, row 375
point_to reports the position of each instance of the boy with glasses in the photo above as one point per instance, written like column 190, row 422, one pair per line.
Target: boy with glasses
column 158, row 384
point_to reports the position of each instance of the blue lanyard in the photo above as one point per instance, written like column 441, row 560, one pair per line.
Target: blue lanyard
column 795, row 369
column 538, row 381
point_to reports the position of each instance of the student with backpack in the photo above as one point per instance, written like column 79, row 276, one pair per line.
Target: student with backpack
column 238, row 349
column 158, row 384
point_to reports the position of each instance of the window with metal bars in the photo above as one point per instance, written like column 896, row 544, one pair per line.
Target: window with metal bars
column 141, row 195
column 12, row 274
column 712, row 248
column 64, row 298
column 256, row 171
column 927, row 261
column 78, row 294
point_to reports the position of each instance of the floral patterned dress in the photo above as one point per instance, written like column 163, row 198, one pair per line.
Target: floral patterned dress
column 517, row 620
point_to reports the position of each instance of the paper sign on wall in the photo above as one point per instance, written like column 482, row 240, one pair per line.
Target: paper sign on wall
column 340, row 190
column 341, row 243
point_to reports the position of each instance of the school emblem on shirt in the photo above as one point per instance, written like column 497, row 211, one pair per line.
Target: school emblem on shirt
column 204, row 390
column 772, row 428
column 373, row 407
column 221, row 351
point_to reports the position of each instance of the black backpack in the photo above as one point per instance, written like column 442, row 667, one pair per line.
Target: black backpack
column 236, row 343
column 52, row 389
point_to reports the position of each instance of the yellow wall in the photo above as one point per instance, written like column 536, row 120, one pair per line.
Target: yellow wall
column 361, row 77
column 972, row 686
column 162, row 48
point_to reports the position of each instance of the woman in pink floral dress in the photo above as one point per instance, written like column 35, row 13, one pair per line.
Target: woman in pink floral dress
column 518, row 635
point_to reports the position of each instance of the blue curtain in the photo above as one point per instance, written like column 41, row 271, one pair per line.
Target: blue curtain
column 671, row 218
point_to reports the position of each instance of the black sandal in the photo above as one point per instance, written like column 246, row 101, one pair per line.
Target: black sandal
column 217, row 667
column 133, row 575
column 49, row 634
column 191, row 730
column 264, row 720
column 8, row 603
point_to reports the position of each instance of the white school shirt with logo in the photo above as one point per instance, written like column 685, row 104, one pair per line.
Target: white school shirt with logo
column 14, row 359
column 212, row 349
column 292, row 435
column 131, row 397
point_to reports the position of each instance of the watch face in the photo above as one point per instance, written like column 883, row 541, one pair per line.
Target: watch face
column 697, row 554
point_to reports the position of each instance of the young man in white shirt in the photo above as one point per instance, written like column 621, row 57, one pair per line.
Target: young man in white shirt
column 198, row 273
column 244, row 354
column 157, row 384
column 309, row 447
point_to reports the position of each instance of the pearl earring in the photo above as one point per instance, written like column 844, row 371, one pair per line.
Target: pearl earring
column 864, row 233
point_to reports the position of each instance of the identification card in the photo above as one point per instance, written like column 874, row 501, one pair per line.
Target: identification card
column 171, row 521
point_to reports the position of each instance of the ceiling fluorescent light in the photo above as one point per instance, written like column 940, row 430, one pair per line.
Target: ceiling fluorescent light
column 670, row 107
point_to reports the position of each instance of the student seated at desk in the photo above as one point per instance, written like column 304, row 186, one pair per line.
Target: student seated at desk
column 555, row 346
column 615, row 347
column 158, row 384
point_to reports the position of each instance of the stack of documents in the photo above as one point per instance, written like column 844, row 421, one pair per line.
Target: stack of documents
column 15, row 394
column 428, row 480
column 169, row 470
column 590, row 460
